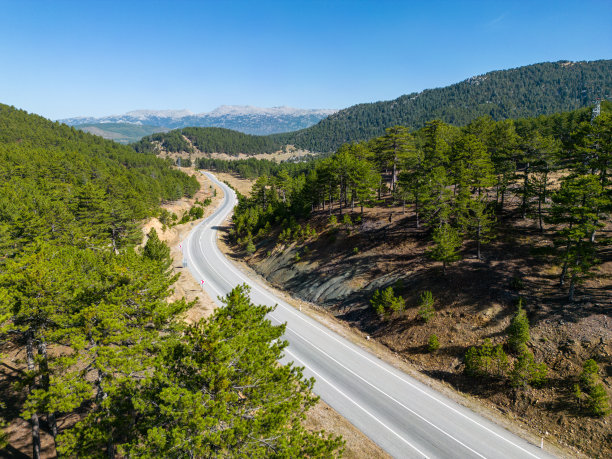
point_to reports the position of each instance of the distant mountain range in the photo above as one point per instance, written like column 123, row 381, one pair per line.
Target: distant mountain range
column 242, row 118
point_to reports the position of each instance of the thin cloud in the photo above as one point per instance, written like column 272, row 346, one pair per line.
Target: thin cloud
column 497, row 20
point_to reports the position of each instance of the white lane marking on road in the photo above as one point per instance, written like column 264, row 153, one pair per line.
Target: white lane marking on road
column 385, row 394
column 359, row 352
column 321, row 378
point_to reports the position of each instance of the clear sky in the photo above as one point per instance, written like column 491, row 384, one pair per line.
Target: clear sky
column 73, row 58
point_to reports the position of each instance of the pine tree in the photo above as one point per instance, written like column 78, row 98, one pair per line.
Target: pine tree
column 219, row 390
column 576, row 208
column 157, row 250
column 395, row 147
column 447, row 243
column 426, row 309
column 518, row 330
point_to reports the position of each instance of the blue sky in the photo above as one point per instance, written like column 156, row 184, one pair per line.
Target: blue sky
column 71, row 58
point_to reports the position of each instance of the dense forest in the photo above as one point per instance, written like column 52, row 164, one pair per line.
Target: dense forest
column 93, row 352
column 458, row 181
column 252, row 168
column 208, row 140
column 528, row 91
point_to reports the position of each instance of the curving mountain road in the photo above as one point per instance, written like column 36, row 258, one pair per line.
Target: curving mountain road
column 405, row 417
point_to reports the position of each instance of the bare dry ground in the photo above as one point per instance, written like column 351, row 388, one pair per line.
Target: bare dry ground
column 288, row 152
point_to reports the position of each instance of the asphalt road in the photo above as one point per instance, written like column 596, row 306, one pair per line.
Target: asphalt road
column 405, row 417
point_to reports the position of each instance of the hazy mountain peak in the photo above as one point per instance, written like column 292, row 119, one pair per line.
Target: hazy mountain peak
column 282, row 110
column 243, row 118
column 144, row 114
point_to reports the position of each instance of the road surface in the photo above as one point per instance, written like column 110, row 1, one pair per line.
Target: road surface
column 405, row 417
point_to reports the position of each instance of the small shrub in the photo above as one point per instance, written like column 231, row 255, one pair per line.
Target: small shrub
column 250, row 247
column 346, row 220
column 499, row 361
column 385, row 301
column 518, row 330
column 486, row 360
column 472, row 362
column 165, row 217
column 333, row 220
column 589, row 377
column 268, row 254
column 433, row 344
column 527, row 371
column 598, row 401
column 426, row 310
column 355, row 250
column 377, row 303
column 196, row 212
column 184, row 218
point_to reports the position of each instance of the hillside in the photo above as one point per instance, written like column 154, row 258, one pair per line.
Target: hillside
column 245, row 119
column 94, row 342
column 480, row 227
column 532, row 90
column 207, row 140
column 120, row 132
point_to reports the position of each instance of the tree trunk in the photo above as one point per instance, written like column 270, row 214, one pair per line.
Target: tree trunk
column 416, row 210
column 525, row 185
column 34, row 422
column 44, row 367
column 565, row 263
column 478, row 241
column 572, row 287
column 540, row 214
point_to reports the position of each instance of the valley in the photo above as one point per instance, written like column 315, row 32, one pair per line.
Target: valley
column 436, row 267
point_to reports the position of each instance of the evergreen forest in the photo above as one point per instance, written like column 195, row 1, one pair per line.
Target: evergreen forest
column 458, row 182
column 208, row 140
column 528, row 91
column 93, row 352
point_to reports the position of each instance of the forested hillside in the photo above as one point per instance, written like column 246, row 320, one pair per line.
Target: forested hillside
column 93, row 352
column 481, row 254
column 208, row 140
column 252, row 168
column 532, row 90
column 120, row 132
